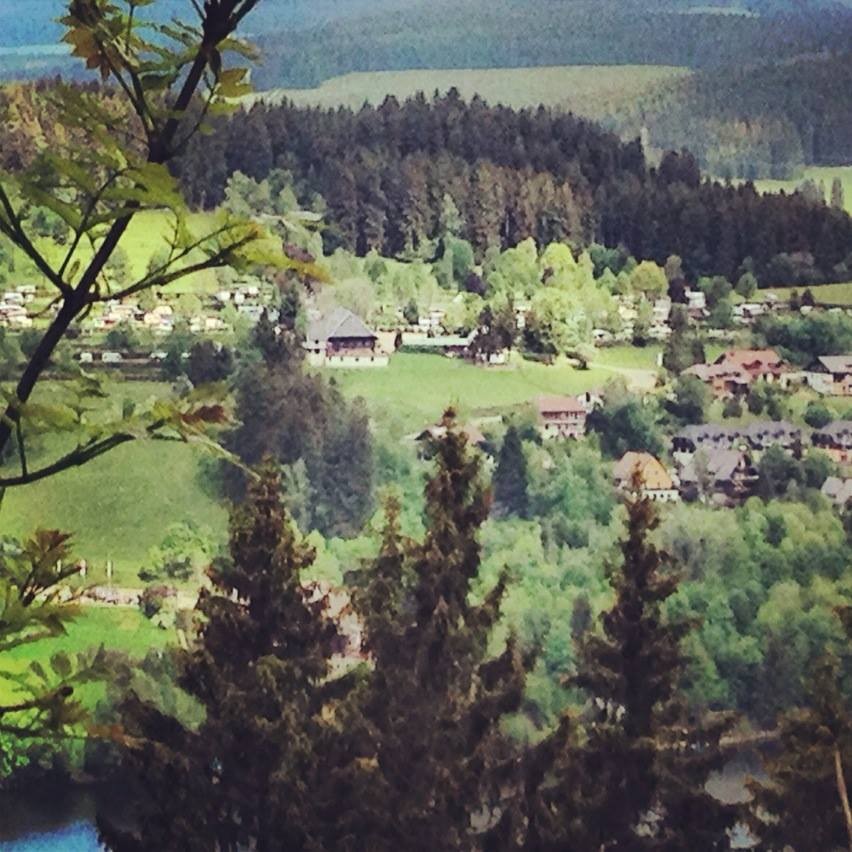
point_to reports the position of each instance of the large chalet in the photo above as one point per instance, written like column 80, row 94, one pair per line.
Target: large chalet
column 562, row 416
column 342, row 339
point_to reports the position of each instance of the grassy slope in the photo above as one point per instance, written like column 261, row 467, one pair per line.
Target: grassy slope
column 831, row 294
column 825, row 174
column 118, row 628
column 148, row 232
column 119, row 505
column 590, row 90
column 414, row 390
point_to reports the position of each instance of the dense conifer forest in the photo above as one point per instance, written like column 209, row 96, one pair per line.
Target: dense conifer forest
column 390, row 178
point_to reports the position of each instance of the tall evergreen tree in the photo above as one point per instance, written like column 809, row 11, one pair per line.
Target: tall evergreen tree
column 245, row 778
column 635, row 779
column 511, row 480
column 804, row 803
column 426, row 768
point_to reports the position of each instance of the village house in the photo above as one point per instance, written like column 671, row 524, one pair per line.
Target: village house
column 707, row 437
column 450, row 345
column 838, row 490
column 655, row 482
column 341, row 339
column 761, row 364
column 835, row 440
column 766, row 433
column 831, row 375
column 562, row 416
column 727, row 476
column 756, row 437
column 724, row 381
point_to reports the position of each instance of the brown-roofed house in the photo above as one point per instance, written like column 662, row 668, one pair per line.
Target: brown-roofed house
column 760, row 364
column 831, row 375
column 562, row 416
column 342, row 339
column 655, row 481
column 728, row 475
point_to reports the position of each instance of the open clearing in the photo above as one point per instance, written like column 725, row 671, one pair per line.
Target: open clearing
column 415, row 389
column 826, row 174
column 147, row 233
column 591, row 90
column 119, row 506
column 825, row 294
column 120, row 629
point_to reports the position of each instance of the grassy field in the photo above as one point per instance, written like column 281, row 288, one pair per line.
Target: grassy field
column 414, row 390
column 119, row 505
column 830, row 294
column 826, row 174
column 148, row 232
column 119, row 629
column 589, row 90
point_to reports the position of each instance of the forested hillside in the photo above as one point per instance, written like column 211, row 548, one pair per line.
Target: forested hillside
column 397, row 177
column 764, row 121
column 508, row 33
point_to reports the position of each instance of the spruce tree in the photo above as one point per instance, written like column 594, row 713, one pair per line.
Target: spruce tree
column 511, row 480
column 428, row 751
column 245, row 778
column 635, row 777
column 803, row 804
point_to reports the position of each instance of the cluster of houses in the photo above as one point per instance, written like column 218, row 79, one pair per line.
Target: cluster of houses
column 13, row 310
column 734, row 372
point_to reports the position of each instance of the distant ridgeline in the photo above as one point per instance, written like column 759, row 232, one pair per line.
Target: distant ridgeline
column 754, row 122
column 521, row 33
column 399, row 178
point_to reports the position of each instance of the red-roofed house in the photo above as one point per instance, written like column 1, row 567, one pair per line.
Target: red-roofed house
column 562, row 416
column 760, row 364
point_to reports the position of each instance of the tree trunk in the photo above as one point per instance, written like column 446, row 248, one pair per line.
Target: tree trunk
column 843, row 793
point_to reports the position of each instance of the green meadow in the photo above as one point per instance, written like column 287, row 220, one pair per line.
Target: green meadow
column 592, row 90
column 824, row 174
column 119, row 506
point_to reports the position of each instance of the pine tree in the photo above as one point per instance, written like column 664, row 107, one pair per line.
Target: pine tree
column 244, row 779
column 804, row 803
column 424, row 772
column 511, row 481
column 838, row 200
column 635, row 779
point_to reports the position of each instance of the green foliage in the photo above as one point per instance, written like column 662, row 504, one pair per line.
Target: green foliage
column 817, row 414
column 183, row 551
column 324, row 430
column 246, row 775
column 40, row 701
column 636, row 776
column 690, row 400
column 763, row 581
column 428, row 719
column 625, row 423
column 804, row 338
column 510, row 481
column 800, row 802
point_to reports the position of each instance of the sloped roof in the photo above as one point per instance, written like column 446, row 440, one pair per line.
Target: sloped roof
column 708, row 432
column 837, row 490
column 560, row 405
column 652, row 473
column 340, row 324
column 706, row 372
column 839, row 432
column 836, row 363
column 743, row 358
column 720, row 463
column 774, row 429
